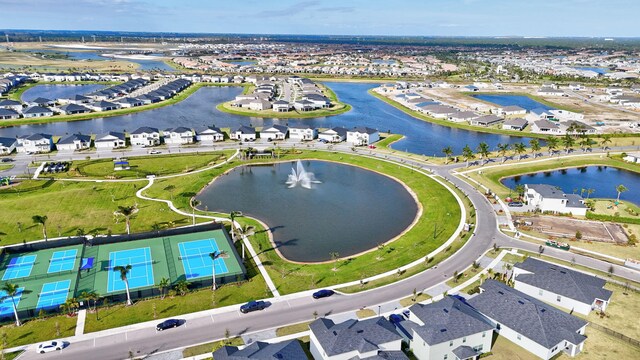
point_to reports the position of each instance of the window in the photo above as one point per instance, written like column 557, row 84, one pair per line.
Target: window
column 540, row 292
column 450, row 343
column 519, row 337
column 446, row 356
column 464, row 339
column 559, row 298
column 477, row 348
column 484, row 334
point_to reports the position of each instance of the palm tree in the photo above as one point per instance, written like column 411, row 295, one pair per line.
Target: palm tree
column 502, row 149
column 620, row 189
column 194, row 203
column 11, row 291
column 552, row 144
column 585, row 143
column 520, row 190
column 233, row 216
column 90, row 296
column 589, row 192
column 567, row 142
column 535, row 147
column 520, row 149
column 606, row 139
column 124, row 271
column 42, row 220
column 447, row 151
column 216, row 255
column 182, row 287
column 162, row 285
column 244, row 231
column 467, row 153
column 334, row 257
column 127, row 212
column 483, row 150
column 70, row 306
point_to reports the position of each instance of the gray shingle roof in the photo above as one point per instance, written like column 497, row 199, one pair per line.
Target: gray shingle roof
column 447, row 320
column 38, row 110
column 533, row 319
column 285, row 350
column 5, row 141
column 519, row 122
column 362, row 336
column 488, row 119
column 464, row 352
column 72, row 138
column 547, row 191
column 118, row 135
column 364, row 130
column 145, row 129
column 562, row 281
column 246, row 130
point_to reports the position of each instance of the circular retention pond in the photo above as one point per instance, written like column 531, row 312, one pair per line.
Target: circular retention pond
column 347, row 209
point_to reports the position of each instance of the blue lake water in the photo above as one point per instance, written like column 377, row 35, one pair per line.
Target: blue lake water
column 147, row 65
column 508, row 100
column 54, row 92
column 199, row 109
column 73, row 55
column 384, row 62
column 594, row 69
column 241, row 62
column 603, row 179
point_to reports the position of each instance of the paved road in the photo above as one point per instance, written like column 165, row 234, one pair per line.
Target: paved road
column 207, row 327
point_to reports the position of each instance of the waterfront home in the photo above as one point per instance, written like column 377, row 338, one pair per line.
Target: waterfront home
column 538, row 114
column 566, row 115
column 576, row 128
column 548, row 91
column 545, row 127
column 74, row 142
column 37, row 111
column 145, row 136
column 281, row 106
column 529, row 323
column 76, row 99
column 274, row 132
column 44, row 102
column 258, row 350
column 304, row 105
column 486, row 120
column 355, row 339
column 11, row 104
column 563, row 287
column 447, row 329
column 334, row 135
column 362, row 136
column 511, row 110
column 518, row 124
column 259, row 105
column 36, row 143
column 110, row 140
column 71, row 109
column 244, row 133
column 462, row 116
column 130, row 102
column 318, row 100
column 209, row 134
column 103, row 106
column 547, row 198
column 8, row 114
column 302, row 132
column 7, row 145
column 439, row 111
column 632, row 157
column 178, row 136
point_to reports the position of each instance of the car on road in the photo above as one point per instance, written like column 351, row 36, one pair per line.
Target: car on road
column 253, row 306
column 50, row 346
column 516, row 204
column 153, row 152
column 6, row 160
column 168, row 324
column 322, row 293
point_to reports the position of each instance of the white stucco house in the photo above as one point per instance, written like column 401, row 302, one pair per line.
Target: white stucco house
column 632, row 157
column 209, row 134
column 110, row 140
column 274, row 132
column 362, row 136
column 145, row 136
column 545, row 197
column 334, row 135
column 7, row 145
column 36, row 143
column 178, row 136
column 302, row 132
column 244, row 133
column 560, row 286
column 74, row 142
column 518, row 124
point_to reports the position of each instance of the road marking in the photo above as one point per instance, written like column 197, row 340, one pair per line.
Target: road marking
column 288, row 304
column 126, row 336
column 94, row 342
column 213, row 321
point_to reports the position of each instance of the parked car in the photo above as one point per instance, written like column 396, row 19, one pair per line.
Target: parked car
column 6, row 160
column 516, row 204
column 168, row 324
column 153, row 152
column 50, row 346
column 253, row 306
column 322, row 293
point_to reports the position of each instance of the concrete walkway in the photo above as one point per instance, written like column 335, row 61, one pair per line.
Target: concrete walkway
column 82, row 317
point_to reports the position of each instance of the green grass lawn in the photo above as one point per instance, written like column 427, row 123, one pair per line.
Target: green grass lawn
column 621, row 312
column 408, row 301
column 12, row 356
column 211, row 347
column 293, row 329
column 338, row 108
column 37, row 330
column 387, row 139
column 146, row 165
column 4, row 167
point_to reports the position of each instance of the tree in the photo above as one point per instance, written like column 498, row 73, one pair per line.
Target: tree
column 467, row 153
column 552, row 144
column 589, row 192
column 520, row 149
column 42, row 220
column 620, row 189
column 447, row 151
column 90, row 297
column 535, row 147
column 124, row 271
column 502, row 149
column 585, row 143
column 233, row 216
column 483, row 150
column 70, row 306
column 334, row 257
column 11, row 291
column 245, row 231
column 194, row 204
column 182, row 287
column 520, row 190
column 606, row 139
column 162, row 286
column 127, row 212
column 567, row 142
column 214, row 256
column 455, row 276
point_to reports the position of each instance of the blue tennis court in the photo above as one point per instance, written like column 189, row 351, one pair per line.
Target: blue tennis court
column 6, row 305
column 62, row 261
column 196, row 259
column 19, row 267
column 141, row 273
column 53, row 294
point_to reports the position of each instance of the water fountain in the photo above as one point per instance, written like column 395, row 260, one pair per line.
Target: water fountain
column 300, row 176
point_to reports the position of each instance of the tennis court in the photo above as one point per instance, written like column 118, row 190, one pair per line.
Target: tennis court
column 53, row 294
column 19, row 267
column 62, row 261
column 141, row 273
column 6, row 305
column 196, row 259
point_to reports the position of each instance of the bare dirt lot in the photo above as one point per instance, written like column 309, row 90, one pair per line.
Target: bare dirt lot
column 567, row 228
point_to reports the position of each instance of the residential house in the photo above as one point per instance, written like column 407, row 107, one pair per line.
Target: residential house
column 209, row 134
column 539, row 113
column 439, row 111
column 36, row 143
column 244, row 133
column 361, row 135
column 511, row 110
column 576, row 128
column 548, row 91
column 632, row 157
column 566, row 115
column 110, row 140
column 486, row 120
column 103, row 106
column 130, row 102
column 284, row 350
column 529, row 323
column 178, row 136
column 334, row 135
column 145, row 136
column 37, row 111
column 545, row 197
column 274, row 132
column 11, row 105
column 259, row 105
column 374, row 338
column 8, row 114
column 72, row 108
column 7, row 145
column 462, row 116
column 75, row 99
column 74, row 142
column 302, row 132
column 303, row 105
column 518, row 124
column 560, row 286
column 44, row 102
column 281, row 106
column 545, row 127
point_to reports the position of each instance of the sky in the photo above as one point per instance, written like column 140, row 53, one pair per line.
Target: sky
column 597, row 18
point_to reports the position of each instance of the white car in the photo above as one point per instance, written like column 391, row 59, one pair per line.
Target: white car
column 49, row 346
column 153, row 152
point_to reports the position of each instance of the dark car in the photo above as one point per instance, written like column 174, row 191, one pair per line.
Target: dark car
column 6, row 160
column 168, row 324
column 322, row 293
column 253, row 306
column 516, row 204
